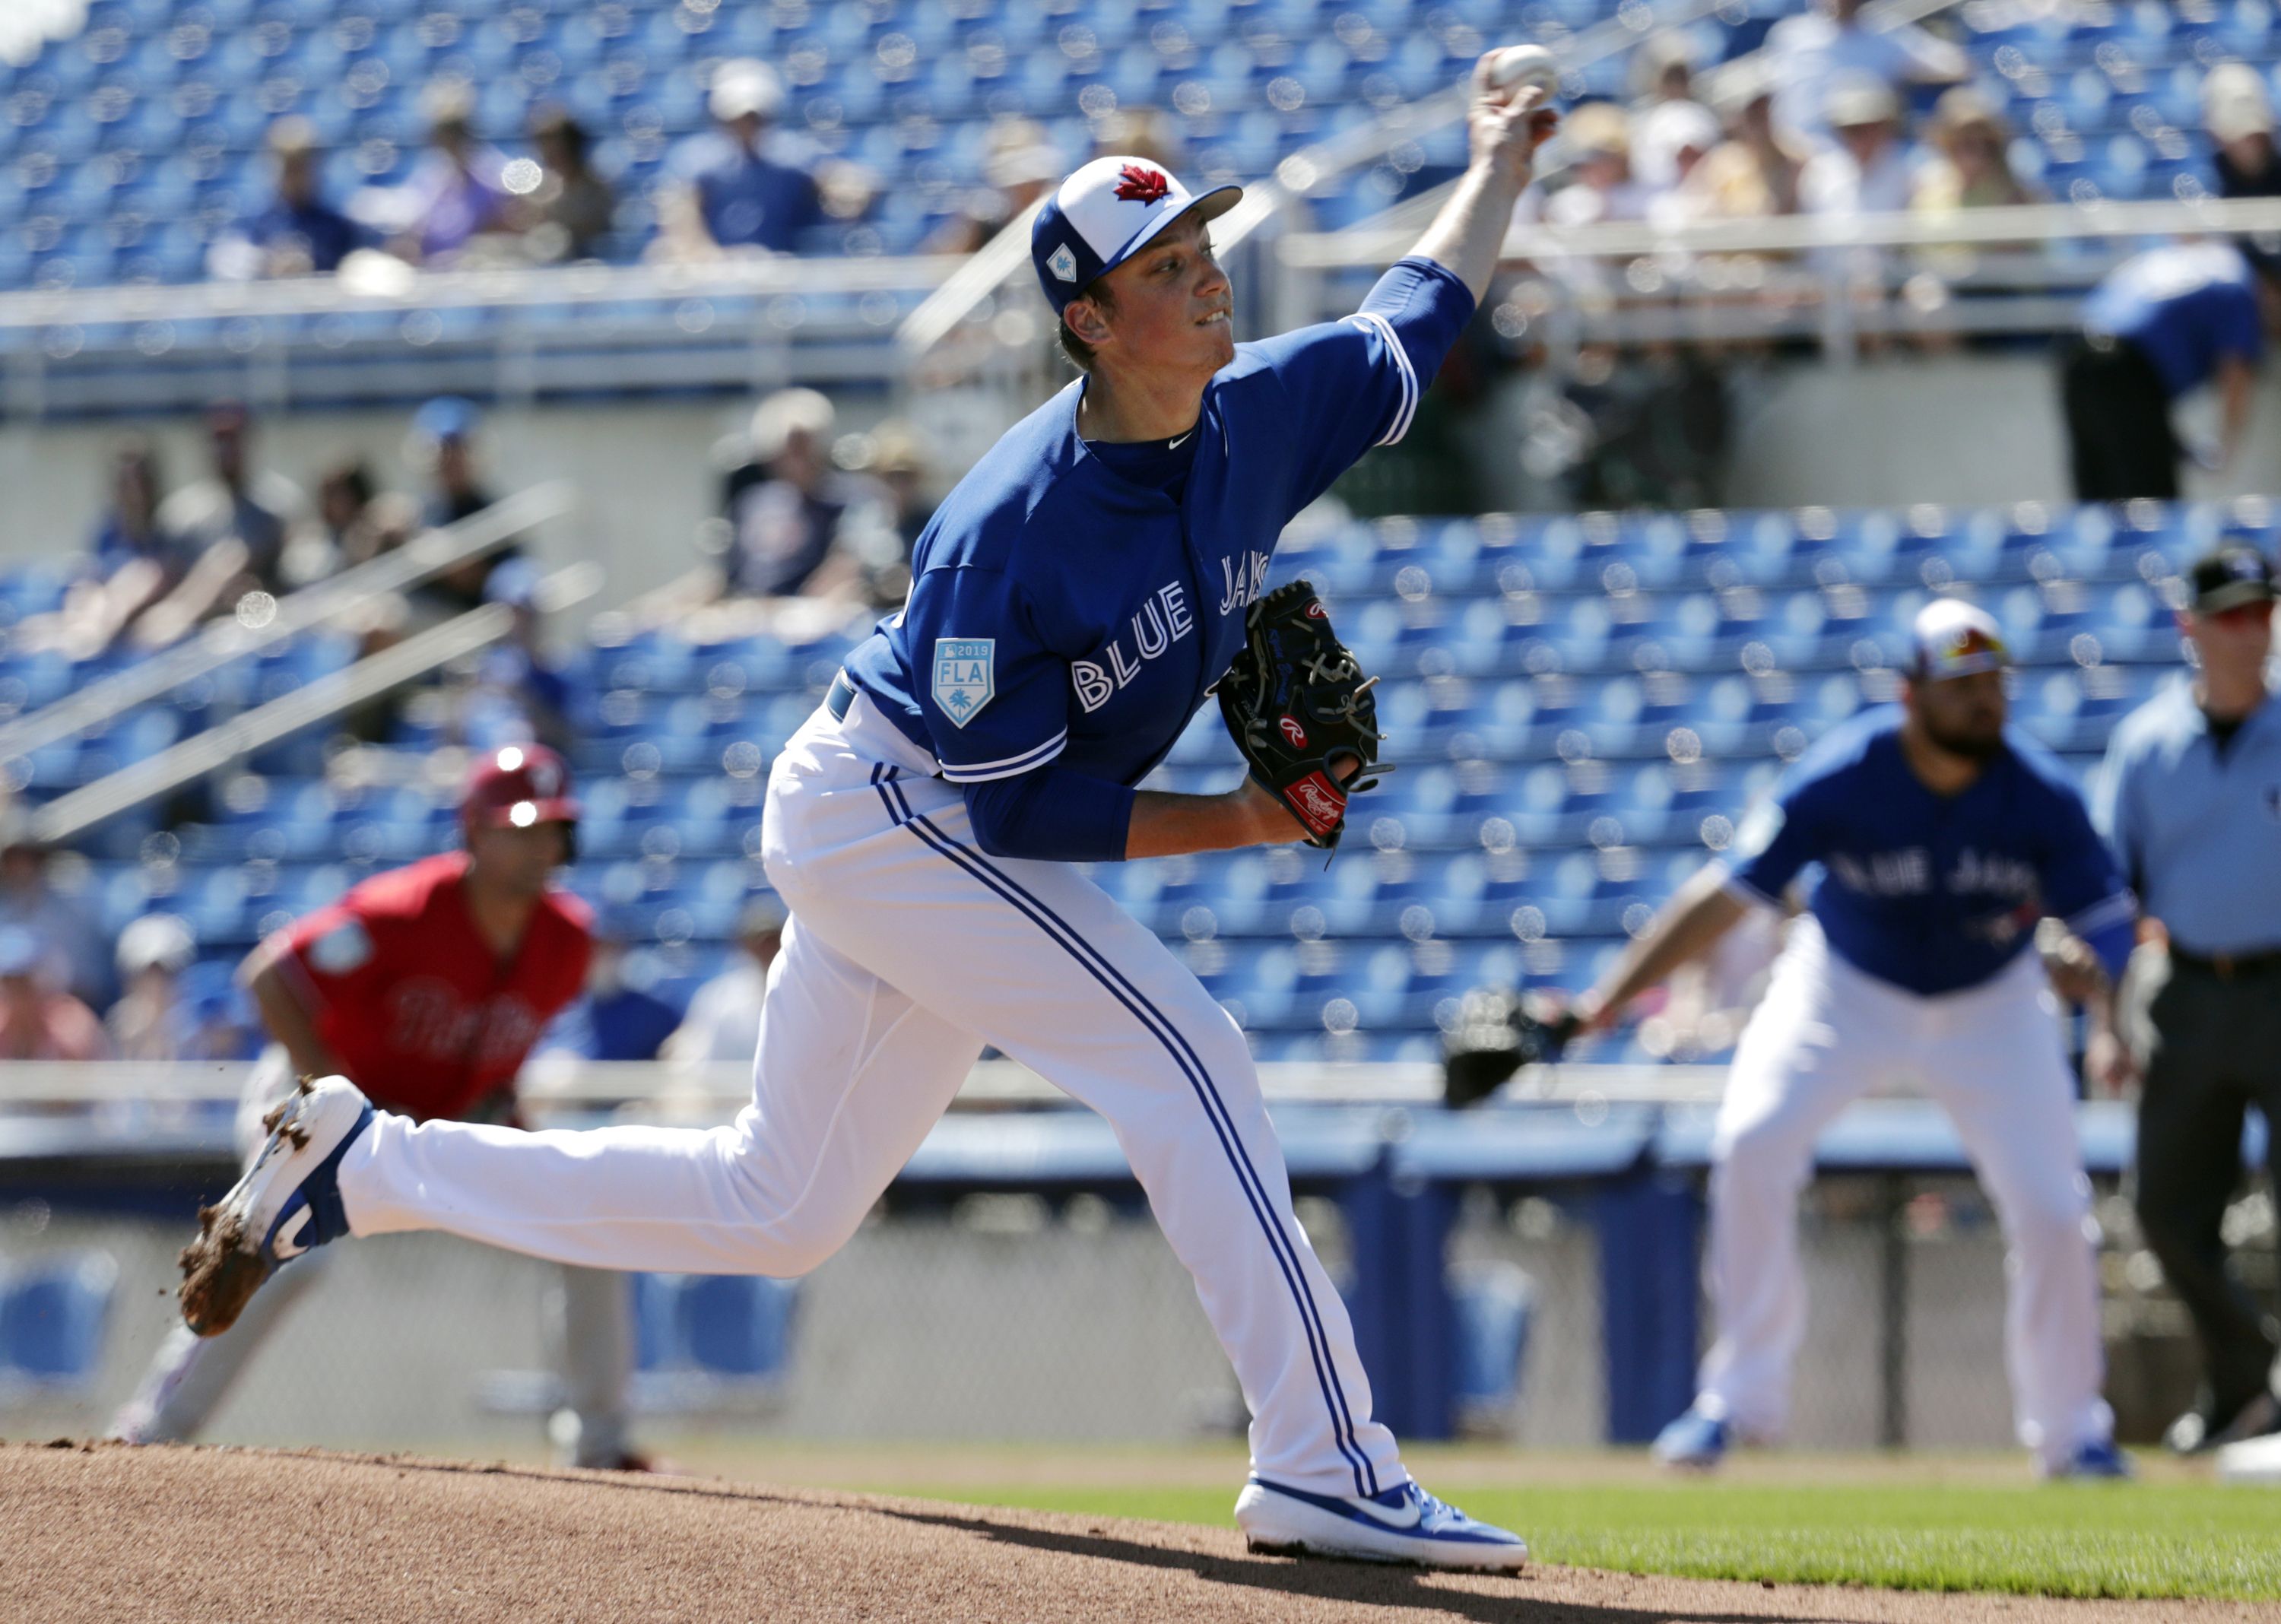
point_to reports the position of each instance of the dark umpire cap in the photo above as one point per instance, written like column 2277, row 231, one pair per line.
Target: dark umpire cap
column 517, row 786
column 2229, row 576
column 1106, row 213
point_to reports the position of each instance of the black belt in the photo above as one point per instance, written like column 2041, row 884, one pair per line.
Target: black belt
column 841, row 696
column 2229, row 966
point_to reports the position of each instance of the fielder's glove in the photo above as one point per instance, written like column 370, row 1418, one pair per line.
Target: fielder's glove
column 1301, row 710
column 1496, row 1034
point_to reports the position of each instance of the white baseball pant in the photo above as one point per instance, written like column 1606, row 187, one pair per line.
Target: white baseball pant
column 1826, row 1034
column 909, row 950
column 589, row 1321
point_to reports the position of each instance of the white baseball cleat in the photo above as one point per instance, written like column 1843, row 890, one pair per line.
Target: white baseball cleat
column 289, row 1200
column 1402, row 1525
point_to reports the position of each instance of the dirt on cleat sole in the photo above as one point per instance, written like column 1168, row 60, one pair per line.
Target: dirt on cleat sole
column 219, row 1274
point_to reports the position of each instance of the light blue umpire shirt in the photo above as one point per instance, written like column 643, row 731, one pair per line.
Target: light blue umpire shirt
column 2197, row 827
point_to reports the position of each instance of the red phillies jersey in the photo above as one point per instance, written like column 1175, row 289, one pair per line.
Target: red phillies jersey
column 405, row 991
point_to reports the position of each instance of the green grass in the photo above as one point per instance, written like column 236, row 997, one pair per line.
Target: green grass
column 2161, row 1539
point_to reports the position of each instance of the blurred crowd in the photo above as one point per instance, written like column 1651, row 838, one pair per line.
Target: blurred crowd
column 812, row 525
column 155, row 1001
column 66, row 993
column 744, row 186
column 166, row 558
column 1816, row 123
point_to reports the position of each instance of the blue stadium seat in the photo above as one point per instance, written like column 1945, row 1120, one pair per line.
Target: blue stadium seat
column 53, row 1311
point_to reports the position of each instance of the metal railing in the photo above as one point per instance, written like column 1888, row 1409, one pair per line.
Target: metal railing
column 1840, row 280
column 517, row 334
column 259, row 627
column 289, row 713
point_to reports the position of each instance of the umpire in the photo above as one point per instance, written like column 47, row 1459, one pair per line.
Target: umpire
column 2191, row 799
column 2161, row 326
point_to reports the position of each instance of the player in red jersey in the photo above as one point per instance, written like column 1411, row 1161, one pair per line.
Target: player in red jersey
column 427, row 985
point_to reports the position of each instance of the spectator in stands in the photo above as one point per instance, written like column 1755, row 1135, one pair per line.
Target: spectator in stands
column 571, row 212
column 1754, row 175
column 37, row 1021
column 2240, row 118
column 298, row 232
column 1675, row 138
column 520, row 692
column 152, row 1020
column 900, row 463
column 618, row 1017
column 1142, row 132
column 1972, row 165
column 455, row 197
column 346, row 492
column 133, row 562
column 724, row 1022
column 1597, row 138
column 1866, row 170
column 1663, row 69
column 2239, row 115
column 443, row 442
column 76, row 954
column 238, row 523
column 728, row 193
column 1669, row 115
column 1807, row 55
column 1020, row 166
column 794, row 526
column 2159, row 328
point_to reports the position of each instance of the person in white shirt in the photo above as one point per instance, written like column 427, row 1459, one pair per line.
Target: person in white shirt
column 724, row 1022
column 1867, row 171
column 1808, row 53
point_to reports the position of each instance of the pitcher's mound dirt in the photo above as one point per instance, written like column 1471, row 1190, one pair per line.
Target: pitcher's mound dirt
column 238, row 1536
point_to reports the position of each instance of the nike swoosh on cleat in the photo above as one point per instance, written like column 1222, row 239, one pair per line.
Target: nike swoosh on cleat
column 1405, row 1520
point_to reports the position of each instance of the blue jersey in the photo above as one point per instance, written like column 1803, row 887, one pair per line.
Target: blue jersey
column 1934, row 892
column 1063, row 615
column 2188, row 307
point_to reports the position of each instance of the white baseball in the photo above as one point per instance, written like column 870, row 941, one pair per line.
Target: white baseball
column 1518, row 66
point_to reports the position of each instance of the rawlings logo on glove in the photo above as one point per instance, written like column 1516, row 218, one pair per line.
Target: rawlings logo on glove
column 1301, row 710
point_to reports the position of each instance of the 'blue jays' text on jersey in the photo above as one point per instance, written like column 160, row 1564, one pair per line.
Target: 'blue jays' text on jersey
column 1934, row 892
column 1061, row 613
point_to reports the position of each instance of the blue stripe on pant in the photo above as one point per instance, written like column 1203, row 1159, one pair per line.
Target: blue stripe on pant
column 1184, row 1057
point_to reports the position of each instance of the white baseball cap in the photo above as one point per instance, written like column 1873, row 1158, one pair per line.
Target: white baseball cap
column 160, row 941
column 1955, row 639
column 1106, row 213
column 2234, row 103
column 745, row 85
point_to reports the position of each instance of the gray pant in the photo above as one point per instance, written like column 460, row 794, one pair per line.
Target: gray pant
column 2211, row 1049
column 590, row 1318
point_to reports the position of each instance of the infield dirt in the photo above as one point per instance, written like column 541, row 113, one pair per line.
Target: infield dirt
column 103, row 1532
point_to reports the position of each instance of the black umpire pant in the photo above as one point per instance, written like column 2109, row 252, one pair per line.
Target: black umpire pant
column 2211, row 1045
column 2120, row 445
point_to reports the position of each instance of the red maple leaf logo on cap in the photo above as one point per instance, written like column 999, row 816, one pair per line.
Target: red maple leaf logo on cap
column 1137, row 185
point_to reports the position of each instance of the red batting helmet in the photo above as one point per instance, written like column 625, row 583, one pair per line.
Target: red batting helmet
column 517, row 786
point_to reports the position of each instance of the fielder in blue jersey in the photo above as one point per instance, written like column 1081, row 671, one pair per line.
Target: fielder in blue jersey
column 1935, row 838
column 1073, row 599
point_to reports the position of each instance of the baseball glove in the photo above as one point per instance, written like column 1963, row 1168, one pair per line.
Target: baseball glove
column 1301, row 709
column 1497, row 1034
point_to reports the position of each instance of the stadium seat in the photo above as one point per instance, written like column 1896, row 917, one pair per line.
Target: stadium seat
column 53, row 1311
